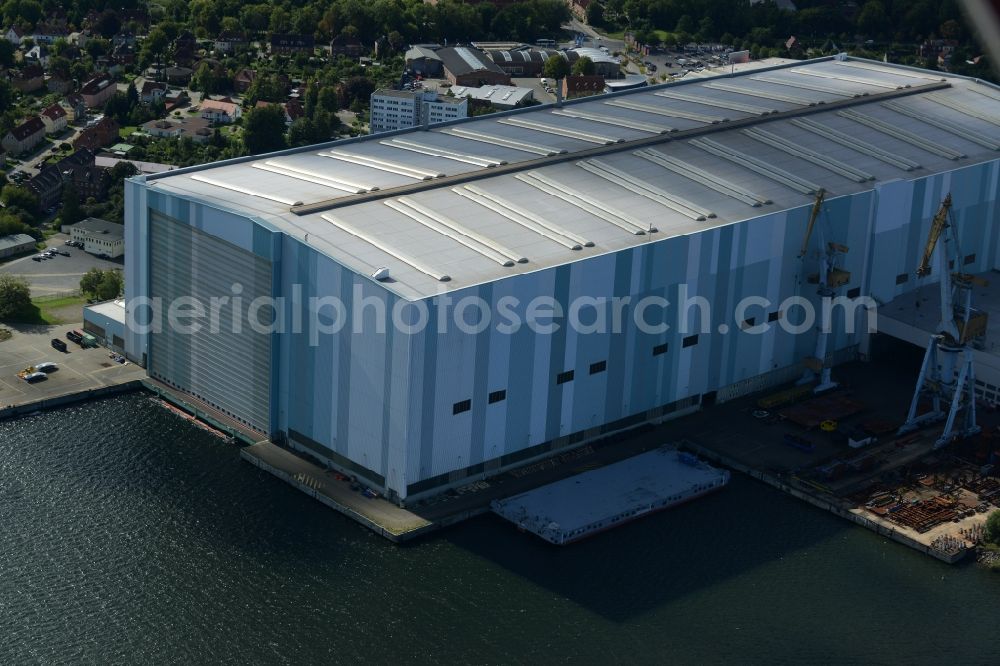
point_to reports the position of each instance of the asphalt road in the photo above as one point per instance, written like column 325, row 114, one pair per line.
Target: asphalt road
column 58, row 275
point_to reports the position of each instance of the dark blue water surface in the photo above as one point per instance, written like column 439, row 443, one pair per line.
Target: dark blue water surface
column 129, row 536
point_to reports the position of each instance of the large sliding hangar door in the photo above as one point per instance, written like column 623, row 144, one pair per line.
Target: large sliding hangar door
column 227, row 362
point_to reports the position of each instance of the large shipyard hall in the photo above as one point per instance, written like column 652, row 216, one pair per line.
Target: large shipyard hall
column 703, row 187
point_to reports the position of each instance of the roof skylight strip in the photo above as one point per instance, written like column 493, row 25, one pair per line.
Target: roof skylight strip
column 465, row 231
column 666, row 111
column 720, row 103
column 753, row 92
column 787, row 179
column 433, row 152
column 502, row 142
column 621, row 220
column 645, row 190
column 962, row 108
column 828, row 163
column 309, row 179
column 808, row 85
column 384, row 165
column 561, row 131
column 439, row 228
column 985, row 91
column 371, row 240
column 710, row 181
column 867, row 148
column 517, row 219
column 551, row 226
column 901, row 134
column 611, row 120
column 946, row 125
column 853, row 79
column 316, row 174
column 244, row 190
column 886, row 70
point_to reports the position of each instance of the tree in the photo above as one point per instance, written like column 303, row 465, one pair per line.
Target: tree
column 991, row 530
column 584, row 66
column 595, row 14
column 71, row 211
column 102, row 285
column 556, row 67
column 15, row 295
column 264, row 129
column 6, row 53
column 111, row 285
column 15, row 196
column 873, row 19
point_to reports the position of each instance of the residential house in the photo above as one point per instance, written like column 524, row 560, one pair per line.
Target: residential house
column 194, row 128
column 292, row 44
column 90, row 181
column 98, row 90
column 59, row 85
column 346, row 45
column 46, row 38
column 152, row 91
column 75, row 107
column 39, row 54
column 24, row 137
column 79, row 39
column 48, row 184
column 14, row 35
column 47, row 187
column 103, row 133
column 178, row 76
column 582, row 86
column 243, row 80
column 155, row 72
column 54, row 118
column 79, row 169
column 220, row 111
column 28, row 79
column 229, row 41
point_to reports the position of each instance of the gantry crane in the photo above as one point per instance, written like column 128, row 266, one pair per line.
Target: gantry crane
column 947, row 374
column 830, row 278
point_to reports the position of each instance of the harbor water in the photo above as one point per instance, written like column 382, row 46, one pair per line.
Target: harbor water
column 128, row 535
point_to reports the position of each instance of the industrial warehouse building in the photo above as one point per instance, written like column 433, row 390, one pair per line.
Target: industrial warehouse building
column 702, row 188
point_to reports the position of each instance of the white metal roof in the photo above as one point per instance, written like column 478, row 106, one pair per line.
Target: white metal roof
column 554, row 185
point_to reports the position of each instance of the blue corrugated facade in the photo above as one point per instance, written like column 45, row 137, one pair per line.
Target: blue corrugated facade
column 383, row 404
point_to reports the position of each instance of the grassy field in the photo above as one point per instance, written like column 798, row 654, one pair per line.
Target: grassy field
column 51, row 310
column 126, row 132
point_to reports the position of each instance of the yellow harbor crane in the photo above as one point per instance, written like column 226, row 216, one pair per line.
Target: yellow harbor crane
column 830, row 278
column 947, row 375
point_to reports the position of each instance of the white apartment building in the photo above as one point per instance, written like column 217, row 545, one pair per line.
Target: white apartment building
column 399, row 109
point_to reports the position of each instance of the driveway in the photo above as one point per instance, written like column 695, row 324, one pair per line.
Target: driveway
column 58, row 275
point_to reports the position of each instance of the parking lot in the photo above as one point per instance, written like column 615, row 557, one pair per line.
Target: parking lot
column 79, row 369
column 59, row 274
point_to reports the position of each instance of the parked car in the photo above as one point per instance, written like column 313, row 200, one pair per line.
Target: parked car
column 47, row 367
column 32, row 377
column 74, row 336
column 58, row 344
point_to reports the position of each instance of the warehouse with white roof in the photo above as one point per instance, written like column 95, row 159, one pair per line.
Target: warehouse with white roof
column 701, row 188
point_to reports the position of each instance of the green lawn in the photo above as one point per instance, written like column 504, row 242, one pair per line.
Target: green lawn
column 126, row 131
column 44, row 310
